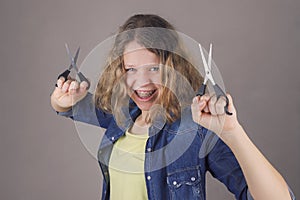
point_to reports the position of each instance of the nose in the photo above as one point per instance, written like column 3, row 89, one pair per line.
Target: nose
column 143, row 77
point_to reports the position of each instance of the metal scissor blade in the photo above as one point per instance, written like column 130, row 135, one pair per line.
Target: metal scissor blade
column 75, row 60
column 68, row 52
column 203, row 59
column 76, row 55
column 206, row 67
column 210, row 56
column 70, row 56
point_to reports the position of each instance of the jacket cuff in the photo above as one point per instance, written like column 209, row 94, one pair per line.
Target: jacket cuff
column 68, row 113
column 292, row 194
column 249, row 197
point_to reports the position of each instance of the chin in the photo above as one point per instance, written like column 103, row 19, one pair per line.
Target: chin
column 144, row 107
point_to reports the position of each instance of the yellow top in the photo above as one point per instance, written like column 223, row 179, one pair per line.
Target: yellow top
column 126, row 168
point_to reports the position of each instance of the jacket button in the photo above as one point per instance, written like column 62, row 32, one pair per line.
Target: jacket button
column 149, row 149
column 112, row 138
column 174, row 182
column 148, row 178
column 193, row 179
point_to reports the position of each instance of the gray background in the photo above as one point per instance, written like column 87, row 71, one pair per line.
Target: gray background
column 256, row 48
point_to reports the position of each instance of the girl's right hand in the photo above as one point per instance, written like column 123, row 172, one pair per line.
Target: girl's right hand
column 67, row 93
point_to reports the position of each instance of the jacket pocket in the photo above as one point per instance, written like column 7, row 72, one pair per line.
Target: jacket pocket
column 185, row 184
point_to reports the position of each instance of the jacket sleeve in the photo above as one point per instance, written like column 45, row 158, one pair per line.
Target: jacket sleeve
column 85, row 111
column 223, row 165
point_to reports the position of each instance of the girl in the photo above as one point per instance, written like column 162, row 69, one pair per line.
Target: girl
column 159, row 137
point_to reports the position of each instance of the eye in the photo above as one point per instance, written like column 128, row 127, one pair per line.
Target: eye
column 130, row 69
column 154, row 68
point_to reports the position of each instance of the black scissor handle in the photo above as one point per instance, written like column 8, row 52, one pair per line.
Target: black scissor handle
column 219, row 92
column 201, row 91
column 65, row 74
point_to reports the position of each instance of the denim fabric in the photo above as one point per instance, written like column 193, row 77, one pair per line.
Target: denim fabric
column 178, row 155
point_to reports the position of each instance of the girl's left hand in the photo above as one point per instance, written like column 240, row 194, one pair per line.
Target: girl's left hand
column 208, row 111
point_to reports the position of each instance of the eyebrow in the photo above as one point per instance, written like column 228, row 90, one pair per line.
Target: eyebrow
column 128, row 65
column 146, row 65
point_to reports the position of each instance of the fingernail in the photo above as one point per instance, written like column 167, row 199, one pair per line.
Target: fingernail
column 62, row 79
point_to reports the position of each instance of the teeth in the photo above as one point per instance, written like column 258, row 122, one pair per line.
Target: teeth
column 145, row 94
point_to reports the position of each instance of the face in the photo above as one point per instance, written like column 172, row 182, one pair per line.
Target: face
column 142, row 75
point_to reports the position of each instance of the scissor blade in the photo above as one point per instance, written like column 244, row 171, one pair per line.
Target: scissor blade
column 76, row 55
column 210, row 56
column 69, row 53
column 203, row 59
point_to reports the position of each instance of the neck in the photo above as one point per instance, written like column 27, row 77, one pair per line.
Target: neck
column 143, row 119
column 141, row 124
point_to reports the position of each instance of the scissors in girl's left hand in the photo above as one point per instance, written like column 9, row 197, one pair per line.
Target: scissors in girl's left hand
column 208, row 76
column 73, row 65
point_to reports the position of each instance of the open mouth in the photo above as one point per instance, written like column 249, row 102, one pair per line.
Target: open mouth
column 145, row 94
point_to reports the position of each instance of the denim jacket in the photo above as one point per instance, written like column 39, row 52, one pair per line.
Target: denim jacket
column 177, row 155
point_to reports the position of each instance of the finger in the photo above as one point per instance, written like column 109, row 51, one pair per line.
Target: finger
column 66, row 86
column 80, row 92
column 73, row 87
column 221, row 102
column 196, row 101
column 84, row 85
column 200, row 102
column 212, row 106
column 60, row 82
column 205, row 98
column 231, row 107
column 196, row 111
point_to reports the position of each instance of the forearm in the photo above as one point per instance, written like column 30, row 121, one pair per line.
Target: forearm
column 264, row 182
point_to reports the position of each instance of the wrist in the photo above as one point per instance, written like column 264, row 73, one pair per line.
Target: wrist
column 234, row 137
column 58, row 108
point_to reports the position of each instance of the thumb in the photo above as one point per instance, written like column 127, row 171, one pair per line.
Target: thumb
column 199, row 102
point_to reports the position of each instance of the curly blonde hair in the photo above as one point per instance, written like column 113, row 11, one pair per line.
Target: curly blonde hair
column 179, row 78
